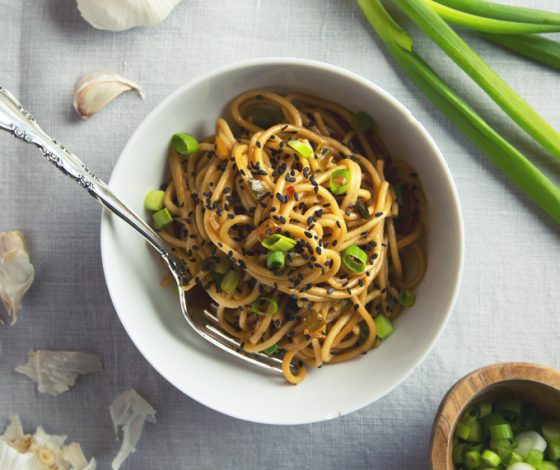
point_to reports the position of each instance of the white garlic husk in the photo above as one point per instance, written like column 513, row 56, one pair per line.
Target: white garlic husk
column 97, row 89
column 39, row 451
column 118, row 15
column 16, row 271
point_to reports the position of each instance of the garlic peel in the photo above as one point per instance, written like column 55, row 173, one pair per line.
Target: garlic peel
column 16, row 271
column 130, row 411
column 40, row 451
column 56, row 371
column 98, row 88
column 118, row 15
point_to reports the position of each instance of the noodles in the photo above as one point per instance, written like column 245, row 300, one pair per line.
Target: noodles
column 295, row 174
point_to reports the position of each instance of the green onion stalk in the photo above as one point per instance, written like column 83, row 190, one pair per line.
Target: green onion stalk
column 506, row 157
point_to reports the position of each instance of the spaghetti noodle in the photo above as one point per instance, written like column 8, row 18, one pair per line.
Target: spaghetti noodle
column 289, row 222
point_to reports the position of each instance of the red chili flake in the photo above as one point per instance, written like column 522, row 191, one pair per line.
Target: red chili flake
column 290, row 190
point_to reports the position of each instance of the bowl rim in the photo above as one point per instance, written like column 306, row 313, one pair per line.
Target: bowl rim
column 345, row 74
column 453, row 404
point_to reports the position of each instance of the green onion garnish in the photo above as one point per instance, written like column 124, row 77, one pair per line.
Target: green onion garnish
column 499, row 432
column 184, row 144
column 278, row 242
column 551, row 432
column 510, row 409
column 406, row 298
column 272, row 349
column 363, row 210
column 485, row 409
column 271, row 306
column 553, row 452
column 471, row 415
column 472, row 459
column 230, row 281
column 339, row 181
column 301, row 147
column 535, row 458
column 514, row 457
column 162, row 218
column 384, row 326
column 458, row 452
column 362, row 121
column 491, row 458
column 354, row 259
column 222, row 266
column 275, row 260
column 154, row 200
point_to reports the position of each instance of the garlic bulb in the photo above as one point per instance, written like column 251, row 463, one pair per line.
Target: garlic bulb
column 118, row 15
column 56, row 371
column 16, row 271
column 40, row 451
column 97, row 89
column 130, row 411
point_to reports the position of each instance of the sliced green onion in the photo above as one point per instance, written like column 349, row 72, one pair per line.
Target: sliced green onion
column 406, row 298
column 184, row 144
column 471, row 415
column 491, row 458
column 489, row 25
column 553, row 452
column 514, row 164
column 503, row 447
column 529, row 440
column 363, row 210
column 301, row 147
column 354, row 259
column 551, row 432
column 548, row 465
column 485, row 409
column 510, row 409
column 475, row 434
column 459, row 450
column 503, row 12
column 162, row 218
column 384, row 326
column 339, row 181
column 154, row 200
column 462, row 430
column 362, row 121
column 535, row 458
column 222, row 266
column 499, row 432
column 271, row 306
column 532, row 46
column 230, row 281
column 514, row 457
column 472, row 459
column 275, row 260
column 272, row 349
column 450, row 42
column 278, row 242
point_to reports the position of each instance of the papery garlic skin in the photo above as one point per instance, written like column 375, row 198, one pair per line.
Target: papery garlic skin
column 130, row 411
column 118, row 15
column 56, row 371
column 16, row 271
column 40, row 451
column 97, row 89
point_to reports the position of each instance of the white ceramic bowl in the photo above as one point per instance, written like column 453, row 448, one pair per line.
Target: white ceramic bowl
column 151, row 315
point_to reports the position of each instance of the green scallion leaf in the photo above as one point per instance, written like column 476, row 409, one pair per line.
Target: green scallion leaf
column 301, row 148
column 535, row 458
column 264, row 306
column 406, row 298
column 491, row 458
column 339, row 181
column 354, row 259
column 384, row 326
column 362, row 122
column 472, row 459
column 222, row 266
column 275, row 260
column 184, row 144
column 551, row 432
column 363, row 210
column 278, row 242
column 500, row 432
column 514, row 457
column 272, row 349
column 230, row 281
column 162, row 218
column 154, row 200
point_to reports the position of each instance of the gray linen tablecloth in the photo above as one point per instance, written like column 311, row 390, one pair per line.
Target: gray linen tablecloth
column 508, row 305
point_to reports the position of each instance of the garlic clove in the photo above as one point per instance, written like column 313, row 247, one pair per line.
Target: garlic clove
column 97, row 89
column 16, row 271
column 118, row 15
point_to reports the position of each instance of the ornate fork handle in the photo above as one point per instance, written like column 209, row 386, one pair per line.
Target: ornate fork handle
column 21, row 124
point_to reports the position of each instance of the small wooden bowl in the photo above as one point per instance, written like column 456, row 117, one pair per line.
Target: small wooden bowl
column 539, row 385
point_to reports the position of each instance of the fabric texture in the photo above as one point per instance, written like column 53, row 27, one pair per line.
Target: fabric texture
column 507, row 308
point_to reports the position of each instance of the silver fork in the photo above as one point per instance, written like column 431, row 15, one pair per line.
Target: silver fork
column 17, row 121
